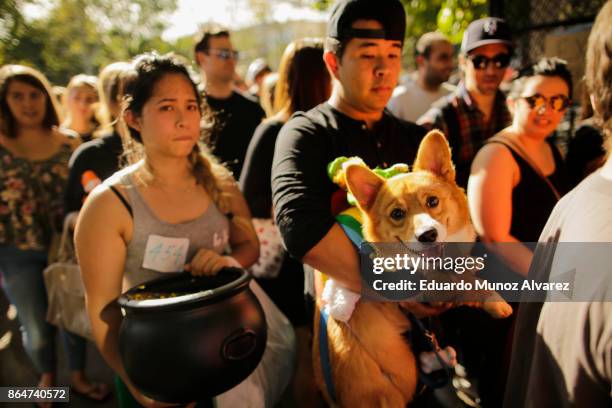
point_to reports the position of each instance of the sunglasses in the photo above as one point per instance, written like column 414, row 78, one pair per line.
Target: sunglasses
column 499, row 61
column 224, row 54
column 557, row 103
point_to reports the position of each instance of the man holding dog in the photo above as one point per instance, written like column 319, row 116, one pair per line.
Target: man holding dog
column 362, row 53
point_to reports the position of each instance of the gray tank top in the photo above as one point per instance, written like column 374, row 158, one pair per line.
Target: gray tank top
column 156, row 244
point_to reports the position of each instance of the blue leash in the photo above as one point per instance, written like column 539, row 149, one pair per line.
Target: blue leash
column 357, row 240
column 324, row 355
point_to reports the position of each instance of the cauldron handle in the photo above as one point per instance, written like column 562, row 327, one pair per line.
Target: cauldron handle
column 239, row 345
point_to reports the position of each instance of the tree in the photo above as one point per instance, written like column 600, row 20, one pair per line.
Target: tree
column 12, row 24
column 262, row 10
column 450, row 17
column 71, row 43
column 130, row 27
column 83, row 35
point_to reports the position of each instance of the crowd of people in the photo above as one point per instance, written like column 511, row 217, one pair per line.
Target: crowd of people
column 148, row 148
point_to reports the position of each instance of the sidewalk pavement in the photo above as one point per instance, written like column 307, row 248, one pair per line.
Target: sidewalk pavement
column 17, row 370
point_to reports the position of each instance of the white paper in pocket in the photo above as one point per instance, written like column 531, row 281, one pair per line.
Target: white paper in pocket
column 165, row 254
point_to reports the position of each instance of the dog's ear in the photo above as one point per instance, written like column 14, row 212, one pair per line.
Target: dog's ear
column 434, row 155
column 363, row 184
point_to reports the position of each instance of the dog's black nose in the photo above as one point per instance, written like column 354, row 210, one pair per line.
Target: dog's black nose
column 428, row 236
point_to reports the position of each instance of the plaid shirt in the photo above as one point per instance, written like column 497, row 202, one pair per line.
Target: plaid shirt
column 467, row 133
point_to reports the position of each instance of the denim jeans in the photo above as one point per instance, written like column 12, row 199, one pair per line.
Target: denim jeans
column 22, row 280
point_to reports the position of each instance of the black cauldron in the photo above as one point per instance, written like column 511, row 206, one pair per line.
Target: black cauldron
column 186, row 338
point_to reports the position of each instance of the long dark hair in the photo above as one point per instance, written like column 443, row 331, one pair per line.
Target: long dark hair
column 303, row 80
column 148, row 69
column 549, row 67
column 32, row 77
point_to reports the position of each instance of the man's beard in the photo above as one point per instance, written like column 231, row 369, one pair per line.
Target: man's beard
column 433, row 80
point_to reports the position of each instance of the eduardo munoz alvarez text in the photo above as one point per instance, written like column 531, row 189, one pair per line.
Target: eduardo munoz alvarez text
column 432, row 285
column 457, row 265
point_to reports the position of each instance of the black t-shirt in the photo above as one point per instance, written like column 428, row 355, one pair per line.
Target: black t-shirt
column 257, row 170
column 302, row 191
column 235, row 120
column 100, row 157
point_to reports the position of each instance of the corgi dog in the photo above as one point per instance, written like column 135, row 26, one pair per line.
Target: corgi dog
column 371, row 363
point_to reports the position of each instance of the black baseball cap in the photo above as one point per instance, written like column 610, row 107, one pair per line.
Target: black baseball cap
column 489, row 30
column 389, row 13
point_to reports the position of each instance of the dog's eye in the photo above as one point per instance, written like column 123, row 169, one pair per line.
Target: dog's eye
column 432, row 201
column 398, row 214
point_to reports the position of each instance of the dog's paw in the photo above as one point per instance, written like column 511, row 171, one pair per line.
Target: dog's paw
column 498, row 310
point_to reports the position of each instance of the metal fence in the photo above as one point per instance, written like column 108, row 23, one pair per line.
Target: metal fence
column 534, row 20
column 551, row 28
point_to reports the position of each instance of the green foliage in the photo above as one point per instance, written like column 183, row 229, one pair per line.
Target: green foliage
column 69, row 40
column 322, row 4
column 455, row 15
column 12, row 24
column 450, row 17
column 82, row 35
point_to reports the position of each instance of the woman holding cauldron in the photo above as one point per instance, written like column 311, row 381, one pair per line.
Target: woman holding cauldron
column 173, row 198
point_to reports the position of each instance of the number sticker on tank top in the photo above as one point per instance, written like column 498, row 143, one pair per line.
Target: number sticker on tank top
column 220, row 240
column 165, row 254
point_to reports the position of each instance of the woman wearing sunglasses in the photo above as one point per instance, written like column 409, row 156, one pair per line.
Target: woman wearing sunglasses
column 519, row 175
column 516, row 179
